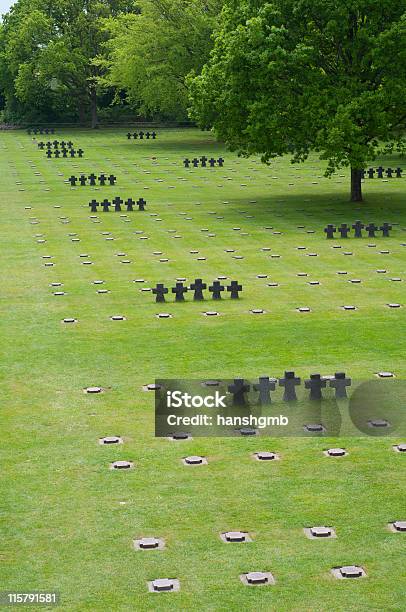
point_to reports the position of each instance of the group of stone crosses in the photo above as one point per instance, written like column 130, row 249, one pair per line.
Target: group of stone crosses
column 92, row 180
column 66, row 150
column 41, row 130
column 344, row 230
column 203, row 162
column 289, row 382
column 197, row 287
column 141, row 135
column 117, row 202
column 380, row 171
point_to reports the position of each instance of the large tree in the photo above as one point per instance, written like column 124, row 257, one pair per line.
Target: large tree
column 50, row 52
column 151, row 53
column 289, row 76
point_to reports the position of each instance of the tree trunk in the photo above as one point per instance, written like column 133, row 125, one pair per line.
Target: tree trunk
column 93, row 106
column 356, row 188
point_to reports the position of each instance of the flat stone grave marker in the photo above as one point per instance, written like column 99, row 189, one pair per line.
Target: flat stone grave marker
column 335, row 452
column 235, row 537
column 348, row 572
column 257, row 579
column 149, row 544
column 266, row 456
column 164, row 585
column 121, row 465
column 193, row 460
column 398, row 526
column 319, row 533
column 111, row 440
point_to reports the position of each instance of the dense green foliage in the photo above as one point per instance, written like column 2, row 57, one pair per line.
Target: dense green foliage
column 295, row 75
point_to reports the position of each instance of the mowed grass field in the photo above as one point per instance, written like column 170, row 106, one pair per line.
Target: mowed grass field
column 68, row 521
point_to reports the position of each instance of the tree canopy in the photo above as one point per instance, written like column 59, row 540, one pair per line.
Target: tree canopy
column 289, row 76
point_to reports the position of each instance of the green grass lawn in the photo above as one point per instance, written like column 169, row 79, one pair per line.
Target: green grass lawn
column 68, row 522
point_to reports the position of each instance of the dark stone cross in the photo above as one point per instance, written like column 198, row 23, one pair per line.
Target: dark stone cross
column 141, row 135
column 92, row 179
column 220, row 162
column 105, row 204
column 63, row 143
column 363, row 174
column 380, row 172
column 358, row 227
column 198, row 286
column 41, row 145
column 339, row 383
column 80, row 152
column 160, row 290
column 93, row 205
column 48, row 144
column 153, row 134
column 385, row 229
column 371, row 229
column 315, row 383
column 371, row 173
column 141, row 204
column 69, row 144
column 57, row 153
column 238, row 391
column 112, row 179
column 82, row 180
column 129, row 135
column 72, row 180
column 195, row 162
column 102, row 180
column 398, row 172
column 147, row 135
column 234, row 288
column 330, row 230
column 117, row 203
column 186, row 162
column 135, row 135
column 264, row 386
column 179, row 289
column 49, row 154
column 289, row 383
column 344, row 230
column 72, row 152
column 64, row 152
column 55, row 143
column 216, row 290
column 130, row 204
column 203, row 160
column 212, row 162
column 389, row 173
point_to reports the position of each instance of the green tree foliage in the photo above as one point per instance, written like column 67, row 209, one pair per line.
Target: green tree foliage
column 151, row 53
column 295, row 75
column 49, row 54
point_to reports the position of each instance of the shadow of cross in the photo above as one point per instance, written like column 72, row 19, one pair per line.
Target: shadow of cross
column 264, row 387
column 93, row 205
column 159, row 291
column 289, row 383
column 198, row 286
column 179, row 289
column 234, row 288
column 339, row 383
column 216, row 290
column 315, row 383
column 238, row 391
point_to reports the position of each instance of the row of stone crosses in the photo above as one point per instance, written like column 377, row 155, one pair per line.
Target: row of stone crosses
column 117, row 202
column 203, row 162
column 289, row 382
column 380, row 171
column 197, row 287
column 141, row 135
column 64, row 153
column 344, row 229
column 41, row 130
column 55, row 143
column 92, row 180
